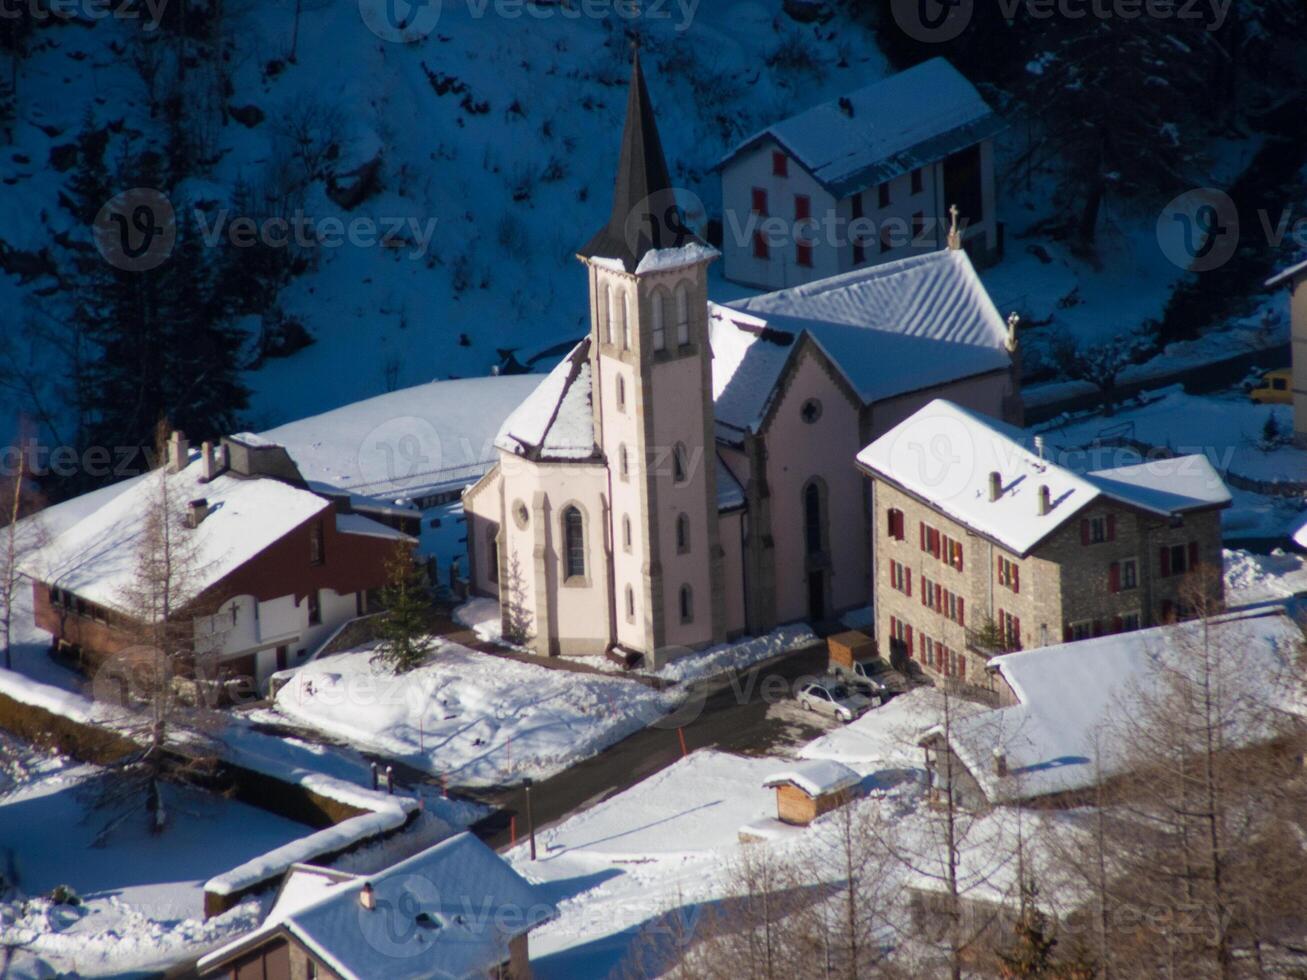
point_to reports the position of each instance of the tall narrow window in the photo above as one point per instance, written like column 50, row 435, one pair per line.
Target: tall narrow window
column 621, row 393
column 609, row 312
column 659, row 325
column 680, row 464
column 630, row 604
column 687, row 604
column 626, row 533
column 683, row 533
column 626, row 321
column 574, row 543
column 812, row 518
column 317, row 543
column 682, row 315
column 623, row 463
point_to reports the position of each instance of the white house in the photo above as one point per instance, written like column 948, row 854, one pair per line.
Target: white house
column 867, row 178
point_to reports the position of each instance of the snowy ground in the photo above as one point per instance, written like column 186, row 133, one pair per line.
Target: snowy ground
column 1251, row 579
column 636, row 872
column 1226, row 427
column 142, row 895
column 474, row 718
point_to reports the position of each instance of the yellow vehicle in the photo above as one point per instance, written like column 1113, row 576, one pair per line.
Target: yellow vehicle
column 1276, row 388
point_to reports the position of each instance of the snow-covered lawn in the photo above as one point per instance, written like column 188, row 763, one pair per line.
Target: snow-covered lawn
column 637, row 871
column 1251, row 578
column 142, row 895
column 471, row 717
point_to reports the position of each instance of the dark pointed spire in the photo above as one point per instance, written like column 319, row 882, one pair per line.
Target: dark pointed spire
column 644, row 214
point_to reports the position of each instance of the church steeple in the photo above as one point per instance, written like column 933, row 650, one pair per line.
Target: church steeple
column 644, row 215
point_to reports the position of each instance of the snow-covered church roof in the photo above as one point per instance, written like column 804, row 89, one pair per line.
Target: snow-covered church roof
column 886, row 129
column 556, row 421
column 891, row 329
column 945, row 454
column 1058, row 738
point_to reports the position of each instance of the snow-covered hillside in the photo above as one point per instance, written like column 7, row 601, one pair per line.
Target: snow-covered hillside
column 496, row 137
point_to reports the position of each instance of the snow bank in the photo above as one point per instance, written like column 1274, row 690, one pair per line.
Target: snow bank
column 345, row 834
column 1251, row 578
column 737, row 656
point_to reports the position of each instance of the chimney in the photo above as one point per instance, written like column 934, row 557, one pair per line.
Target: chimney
column 1000, row 762
column 995, row 485
column 367, row 898
column 208, row 469
column 846, row 106
column 1045, row 503
column 198, row 510
column 954, row 232
column 179, row 451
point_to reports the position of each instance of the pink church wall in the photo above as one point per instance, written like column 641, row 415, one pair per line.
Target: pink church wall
column 796, row 452
column 732, row 529
column 982, row 393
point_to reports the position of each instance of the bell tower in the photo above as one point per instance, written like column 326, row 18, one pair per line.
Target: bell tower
column 651, row 366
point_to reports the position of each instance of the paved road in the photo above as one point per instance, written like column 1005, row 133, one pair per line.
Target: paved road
column 749, row 714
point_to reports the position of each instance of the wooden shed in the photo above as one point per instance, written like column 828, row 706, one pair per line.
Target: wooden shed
column 850, row 647
column 807, row 790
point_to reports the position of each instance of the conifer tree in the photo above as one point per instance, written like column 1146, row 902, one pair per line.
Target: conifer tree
column 405, row 627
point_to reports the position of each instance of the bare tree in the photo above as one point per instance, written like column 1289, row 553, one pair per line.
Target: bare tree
column 23, row 534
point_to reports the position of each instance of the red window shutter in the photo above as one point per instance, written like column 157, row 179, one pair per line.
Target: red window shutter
column 759, row 200
column 1164, row 560
column 1111, row 527
column 962, row 667
column 802, row 207
column 959, row 562
column 803, row 255
column 934, row 544
column 761, row 249
column 1016, row 578
column 922, row 527
column 1016, row 632
column 907, row 581
column 1193, row 555
column 1118, row 624
column 962, row 618
column 1084, row 530
column 908, row 639
column 780, row 164
column 1114, row 577
column 1066, row 633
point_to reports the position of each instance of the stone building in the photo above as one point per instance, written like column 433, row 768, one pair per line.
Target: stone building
column 986, row 545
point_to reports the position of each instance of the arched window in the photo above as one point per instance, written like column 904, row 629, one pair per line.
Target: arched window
column 608, row 312
column 812, row 519
column 573, row 543
column 626, row 533
column 626, row 321
column 682, row 314
column 680, row 463
column 630, row 604
column 623, row 463
column 683, row 533
column 659, row 324
column 687, row 604
column 621, row 393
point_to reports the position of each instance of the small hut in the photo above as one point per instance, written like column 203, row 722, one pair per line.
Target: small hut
column 807, row 790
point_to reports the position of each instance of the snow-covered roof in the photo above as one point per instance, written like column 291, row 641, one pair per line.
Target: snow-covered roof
column 729, row 492
column 406, row 443
column 368, row 528
column 1058, row 737
column 945, row 454
column 1287, row 275
column 891, row 329
column 885, row 129
column 556, row 420
column 667, row 259
column 816, row 777
column 449, row 911
column 97, row 557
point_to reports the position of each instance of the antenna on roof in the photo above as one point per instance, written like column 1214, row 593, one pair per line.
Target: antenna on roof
column 954, row 234
column 1013, row 321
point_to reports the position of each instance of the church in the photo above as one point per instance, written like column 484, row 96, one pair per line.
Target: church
column 686, row 474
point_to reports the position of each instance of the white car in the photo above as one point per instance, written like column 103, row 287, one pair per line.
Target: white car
column 833, row 699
